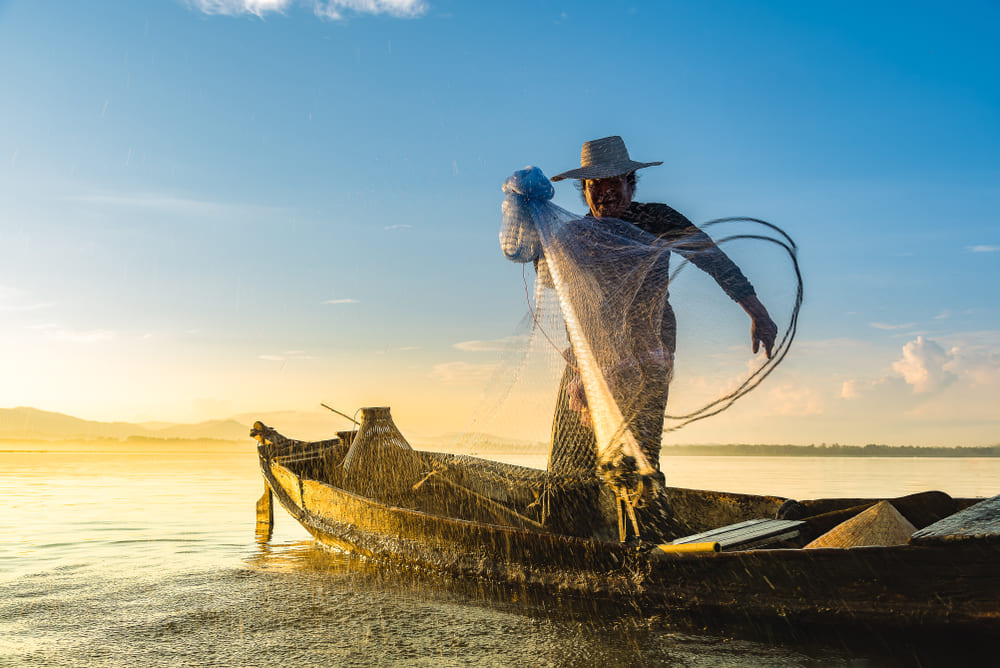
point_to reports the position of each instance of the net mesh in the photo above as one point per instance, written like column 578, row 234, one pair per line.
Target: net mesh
column 601, row 301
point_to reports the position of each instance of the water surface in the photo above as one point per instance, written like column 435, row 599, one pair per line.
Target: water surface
column 121, row 559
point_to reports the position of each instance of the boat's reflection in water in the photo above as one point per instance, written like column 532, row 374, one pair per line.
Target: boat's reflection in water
column 540, row 627
column 366, row 613
column 306, row 558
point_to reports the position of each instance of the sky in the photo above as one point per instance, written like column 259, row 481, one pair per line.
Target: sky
column 212, row 208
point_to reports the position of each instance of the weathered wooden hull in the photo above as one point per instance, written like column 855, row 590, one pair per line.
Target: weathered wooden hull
column 341, row 519
column 937, row 588
column 900, row 587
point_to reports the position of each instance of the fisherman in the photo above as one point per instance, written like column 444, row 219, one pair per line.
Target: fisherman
column 611, row 270
column 607, row 181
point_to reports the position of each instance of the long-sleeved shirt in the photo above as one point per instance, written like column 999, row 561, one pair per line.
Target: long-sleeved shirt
column 690, row 242
column 673, row 228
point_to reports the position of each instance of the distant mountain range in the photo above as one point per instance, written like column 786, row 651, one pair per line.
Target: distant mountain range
column 24, row 423
column 28, row 424
column 32, row 423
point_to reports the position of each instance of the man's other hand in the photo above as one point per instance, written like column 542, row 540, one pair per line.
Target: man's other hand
column 762, row 328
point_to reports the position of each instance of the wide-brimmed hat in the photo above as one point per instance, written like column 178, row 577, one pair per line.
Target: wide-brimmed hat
column 602, row 159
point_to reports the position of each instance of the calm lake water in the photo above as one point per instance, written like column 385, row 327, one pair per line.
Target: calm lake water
column 135, row 559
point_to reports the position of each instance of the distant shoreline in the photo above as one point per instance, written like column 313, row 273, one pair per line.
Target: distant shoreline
column 189, row 445
column 836, row 450
column 133, row 444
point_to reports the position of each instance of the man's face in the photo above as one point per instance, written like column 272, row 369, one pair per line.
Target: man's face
column 608, row 198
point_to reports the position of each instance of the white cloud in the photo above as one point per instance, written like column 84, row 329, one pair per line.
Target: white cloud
column 490, row 346
column 333, row 10
column 287, row 355
column 857, row 388
column 942, row 390
column 851, row 389
column 342, row 301
column 462, row 373
column 14, row 299
column 398, row 227
column 233, row 7
column 976, row 364
column 150, row 201
column 983, row 249
column 794, row 400
column 882, row 325
column 924, row 365
column 972, row 361
column 79, row 336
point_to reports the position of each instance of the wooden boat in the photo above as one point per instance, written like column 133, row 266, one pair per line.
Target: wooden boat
column 483, row 519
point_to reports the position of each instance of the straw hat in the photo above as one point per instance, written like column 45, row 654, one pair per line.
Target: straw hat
column 879, row 525
column 602, row 159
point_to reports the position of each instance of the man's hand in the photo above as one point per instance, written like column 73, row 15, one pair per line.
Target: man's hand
column 762, row 328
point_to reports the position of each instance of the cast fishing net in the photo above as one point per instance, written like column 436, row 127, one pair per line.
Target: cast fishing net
column 600, row 317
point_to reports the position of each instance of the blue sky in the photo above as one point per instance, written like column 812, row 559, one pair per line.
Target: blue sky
column 226, row 207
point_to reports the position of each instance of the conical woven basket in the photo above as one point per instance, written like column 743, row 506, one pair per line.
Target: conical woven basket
column 380, row 463
column 879, row 525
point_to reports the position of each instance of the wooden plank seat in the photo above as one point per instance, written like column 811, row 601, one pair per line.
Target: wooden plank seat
column 747, row 535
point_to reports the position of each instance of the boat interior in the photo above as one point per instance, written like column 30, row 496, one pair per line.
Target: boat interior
column 479, row 490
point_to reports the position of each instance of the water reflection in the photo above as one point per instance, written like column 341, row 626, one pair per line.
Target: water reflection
column 398, row 614
column 150, row 559
column 394, row 614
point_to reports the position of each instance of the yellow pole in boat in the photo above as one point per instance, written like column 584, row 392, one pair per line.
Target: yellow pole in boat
column 685, row 548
